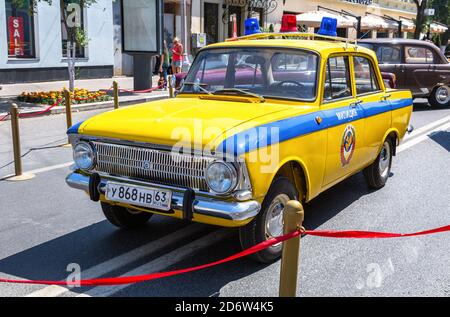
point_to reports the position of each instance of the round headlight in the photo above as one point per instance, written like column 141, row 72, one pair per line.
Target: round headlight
column 221, row 177
column 84, row 156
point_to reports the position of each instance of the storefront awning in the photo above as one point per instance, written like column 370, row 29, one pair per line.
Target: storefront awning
column 438, row 28
column 373, row 22
column 408, row 25
column 314, row 19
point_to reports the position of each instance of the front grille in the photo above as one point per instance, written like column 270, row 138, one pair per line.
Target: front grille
column 156, row 166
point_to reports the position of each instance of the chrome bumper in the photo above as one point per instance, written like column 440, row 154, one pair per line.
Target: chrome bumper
column 228, row 210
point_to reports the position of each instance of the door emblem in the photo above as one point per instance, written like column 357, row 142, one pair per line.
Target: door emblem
column 348, row 144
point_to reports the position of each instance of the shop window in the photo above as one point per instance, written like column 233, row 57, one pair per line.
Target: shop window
column 211, row 22
column 79, row 50
column 20, row 30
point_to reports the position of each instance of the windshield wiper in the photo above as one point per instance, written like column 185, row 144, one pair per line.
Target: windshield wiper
column 240, row 91
column 199, row 86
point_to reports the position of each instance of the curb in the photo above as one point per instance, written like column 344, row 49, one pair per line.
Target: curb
column 93, row 106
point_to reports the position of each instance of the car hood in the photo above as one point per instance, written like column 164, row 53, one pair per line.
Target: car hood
column 187, row 122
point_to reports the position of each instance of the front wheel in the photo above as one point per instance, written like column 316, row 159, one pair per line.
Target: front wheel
column 440, row 97
column 269, row 222
column 378, row 173
column 125, row 218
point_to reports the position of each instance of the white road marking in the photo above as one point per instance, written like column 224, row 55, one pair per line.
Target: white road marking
column 50, row 291
column 50, row 168
column 164, row 261
column 410, row 143
column 125, row 259
column 426, row 128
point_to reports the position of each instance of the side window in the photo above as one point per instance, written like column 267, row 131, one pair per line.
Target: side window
column 337, row 79
column 365, row 78
column 418, row 55
column 389, row 54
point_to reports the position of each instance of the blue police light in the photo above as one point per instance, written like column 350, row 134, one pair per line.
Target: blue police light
column 251, row 26
column 328, row 27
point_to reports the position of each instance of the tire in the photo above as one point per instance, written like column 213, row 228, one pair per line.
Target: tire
column 257, row 231
column 378, row 173
column 440, row 97
column 125, row 218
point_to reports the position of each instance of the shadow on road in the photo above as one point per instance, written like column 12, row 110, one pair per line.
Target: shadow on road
column 442, row 138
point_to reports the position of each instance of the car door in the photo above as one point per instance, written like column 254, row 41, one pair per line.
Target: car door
column 344, row 119
column 419, row 69
column 375, row 103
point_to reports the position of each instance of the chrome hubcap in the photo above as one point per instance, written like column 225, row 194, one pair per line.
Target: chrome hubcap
column 274, row 219
column 443, row 94
column 385, row 160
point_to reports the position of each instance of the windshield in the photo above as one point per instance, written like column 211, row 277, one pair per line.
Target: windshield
column 260, row 72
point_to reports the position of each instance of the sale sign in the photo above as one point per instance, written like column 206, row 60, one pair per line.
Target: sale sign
column 16, row 36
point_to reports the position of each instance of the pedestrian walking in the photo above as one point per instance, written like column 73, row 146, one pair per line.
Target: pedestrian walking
column 164, row 66
column 177, row 56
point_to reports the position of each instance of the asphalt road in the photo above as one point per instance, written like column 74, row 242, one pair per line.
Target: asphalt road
column 46, row 226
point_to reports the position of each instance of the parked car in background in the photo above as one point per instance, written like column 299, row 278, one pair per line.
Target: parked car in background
column 417, row 65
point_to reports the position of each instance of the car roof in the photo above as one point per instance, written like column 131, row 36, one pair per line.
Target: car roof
column 397, row 41
column 323, row 47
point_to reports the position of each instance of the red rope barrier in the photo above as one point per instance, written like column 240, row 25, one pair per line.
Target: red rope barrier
column 4, row 117
column 142, row 91
column 35, row 114
column 148, row 277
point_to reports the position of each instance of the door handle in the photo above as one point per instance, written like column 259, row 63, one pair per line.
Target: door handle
column 386, row 97
column 356, row 103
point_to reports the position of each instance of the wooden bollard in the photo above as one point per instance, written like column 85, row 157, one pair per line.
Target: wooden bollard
column 19, row 175
column 14, row 111
column 68, row 108
column 293, row 218
column 116, row 94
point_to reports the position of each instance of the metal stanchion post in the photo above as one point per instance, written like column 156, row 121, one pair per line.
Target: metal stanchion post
column 171, row 92
column 293, row 219
column 116, row 95
column 19, row 175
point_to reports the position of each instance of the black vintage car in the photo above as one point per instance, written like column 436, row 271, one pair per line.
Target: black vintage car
column 418, row 65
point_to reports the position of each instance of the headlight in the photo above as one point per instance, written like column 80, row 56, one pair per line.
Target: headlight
column 84, row 156
column 221, row 177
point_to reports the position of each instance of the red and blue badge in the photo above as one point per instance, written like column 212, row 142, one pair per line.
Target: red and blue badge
column 348, row 145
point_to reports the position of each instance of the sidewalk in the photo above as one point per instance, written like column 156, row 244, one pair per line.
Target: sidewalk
column 9, row 93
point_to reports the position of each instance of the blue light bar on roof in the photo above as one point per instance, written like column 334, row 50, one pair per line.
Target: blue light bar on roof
column 328, row 27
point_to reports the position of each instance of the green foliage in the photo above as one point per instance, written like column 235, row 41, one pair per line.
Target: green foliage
column 442, row 15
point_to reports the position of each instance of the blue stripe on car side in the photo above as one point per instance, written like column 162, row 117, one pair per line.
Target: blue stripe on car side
column 290, row 128
column 74, row 129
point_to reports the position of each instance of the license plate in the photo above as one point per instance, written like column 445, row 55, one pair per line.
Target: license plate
column 140, row 196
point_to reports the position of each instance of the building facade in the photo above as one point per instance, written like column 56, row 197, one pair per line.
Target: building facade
column 33, row 45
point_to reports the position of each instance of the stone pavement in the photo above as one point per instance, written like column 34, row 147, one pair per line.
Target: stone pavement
column 9, row 93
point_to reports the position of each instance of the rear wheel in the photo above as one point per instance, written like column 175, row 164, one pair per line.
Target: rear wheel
column 440, row 97
column 378, row 173
column 269, row 222
column 124, row 217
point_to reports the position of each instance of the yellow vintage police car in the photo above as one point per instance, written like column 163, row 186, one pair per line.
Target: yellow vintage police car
column 260, row 120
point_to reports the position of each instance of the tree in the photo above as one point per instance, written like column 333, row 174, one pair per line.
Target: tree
column 420, row 20
column 71, row 21
column 442, row 15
